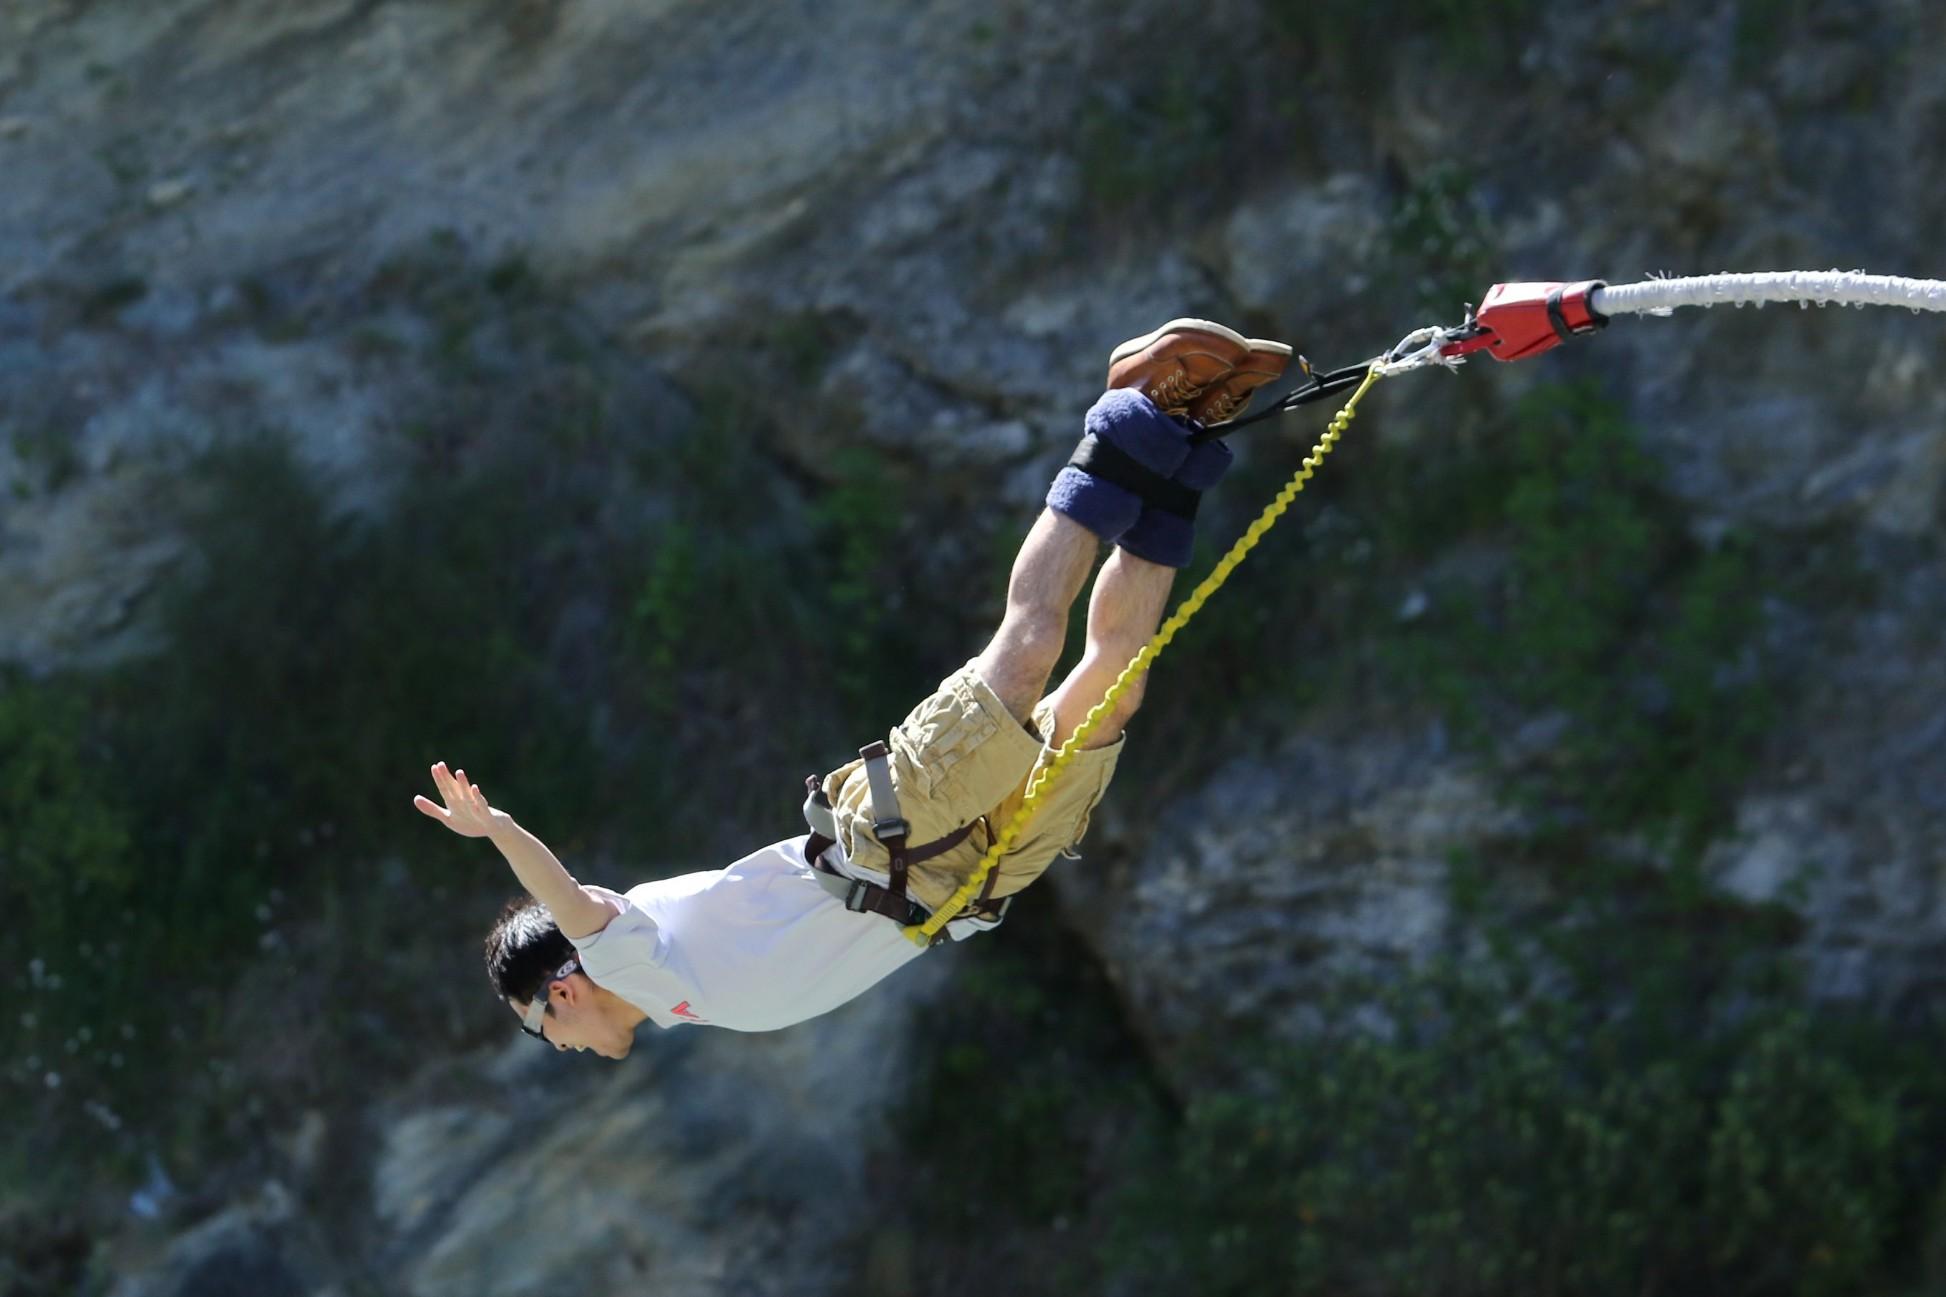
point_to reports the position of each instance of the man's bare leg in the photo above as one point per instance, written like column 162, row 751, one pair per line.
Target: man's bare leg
column 1053, row 564
column 1188, row 366
column 1123, row 613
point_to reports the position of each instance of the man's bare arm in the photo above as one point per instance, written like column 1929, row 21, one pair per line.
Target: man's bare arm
column 579, row 911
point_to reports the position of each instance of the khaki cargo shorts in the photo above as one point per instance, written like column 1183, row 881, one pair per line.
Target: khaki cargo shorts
column 960, row 756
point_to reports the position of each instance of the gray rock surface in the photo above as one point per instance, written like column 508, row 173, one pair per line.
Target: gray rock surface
column 259, row 1246
column 695, row 1167
column 1252, row 898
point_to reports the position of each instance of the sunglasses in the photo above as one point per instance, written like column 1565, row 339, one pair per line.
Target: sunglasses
column 531, row 1021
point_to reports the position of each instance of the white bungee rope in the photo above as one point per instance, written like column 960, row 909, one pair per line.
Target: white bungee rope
column 1805, row 287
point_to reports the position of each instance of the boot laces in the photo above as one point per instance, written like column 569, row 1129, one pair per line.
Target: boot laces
column 1173, row 389
column 1222, row 406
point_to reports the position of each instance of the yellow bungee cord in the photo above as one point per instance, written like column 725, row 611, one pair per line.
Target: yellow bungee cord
column 923, row 933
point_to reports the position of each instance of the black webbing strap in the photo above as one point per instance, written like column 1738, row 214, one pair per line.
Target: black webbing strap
column 993, row 875
column 1557, row 319
column 939, row 846
column 894, row 844
column 904, row 856
column 1557, row 315
column 1110, row 463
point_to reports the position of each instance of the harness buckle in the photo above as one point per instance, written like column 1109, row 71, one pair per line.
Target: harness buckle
column 855, row 896
column 890, row 827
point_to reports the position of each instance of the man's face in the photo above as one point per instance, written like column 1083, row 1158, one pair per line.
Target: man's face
column 578, row 1017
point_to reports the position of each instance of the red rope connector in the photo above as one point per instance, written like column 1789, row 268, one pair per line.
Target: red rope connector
column 1521, row 320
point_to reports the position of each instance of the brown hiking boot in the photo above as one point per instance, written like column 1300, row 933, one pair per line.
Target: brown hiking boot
column 1174, row 365
column 1230, row 395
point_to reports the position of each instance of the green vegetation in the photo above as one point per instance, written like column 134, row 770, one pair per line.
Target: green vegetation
column 855, row 525
column 1353, row 41
column 1439, row 238
column 1763, row 29
column 47, row 455
column 1191, row 113
column 1161, row 146
column 754, row 587
column 1498, row 1143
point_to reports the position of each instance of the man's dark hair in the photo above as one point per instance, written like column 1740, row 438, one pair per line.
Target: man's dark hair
column 524, row 950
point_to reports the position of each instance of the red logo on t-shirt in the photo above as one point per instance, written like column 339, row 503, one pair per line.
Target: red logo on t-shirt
column 684, row 1011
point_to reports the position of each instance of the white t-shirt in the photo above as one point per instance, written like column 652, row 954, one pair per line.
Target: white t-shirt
column 754, row 947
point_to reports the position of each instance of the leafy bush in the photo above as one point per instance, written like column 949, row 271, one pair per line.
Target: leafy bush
column 69, row 872
column 1486, row 1146
column 1440, row 235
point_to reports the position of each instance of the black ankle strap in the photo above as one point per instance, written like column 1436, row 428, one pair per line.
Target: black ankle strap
column 1104, row 460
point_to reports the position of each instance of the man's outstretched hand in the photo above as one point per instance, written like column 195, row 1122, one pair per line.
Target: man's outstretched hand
column 580, row 911
column 466, row 811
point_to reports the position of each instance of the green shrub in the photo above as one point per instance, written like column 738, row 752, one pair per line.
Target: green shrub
column 69, row 872
column 754, row 585
column 1665, row 1118
column 1485, row 1146
column 1439, row 235
column 1801, row 1174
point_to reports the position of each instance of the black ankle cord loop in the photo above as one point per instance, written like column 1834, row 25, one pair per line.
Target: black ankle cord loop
column 1320, row 387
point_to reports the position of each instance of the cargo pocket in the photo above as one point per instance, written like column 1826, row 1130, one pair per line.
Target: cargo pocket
column 962, row 753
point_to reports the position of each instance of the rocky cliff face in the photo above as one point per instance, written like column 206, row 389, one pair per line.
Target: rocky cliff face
column 935, row 219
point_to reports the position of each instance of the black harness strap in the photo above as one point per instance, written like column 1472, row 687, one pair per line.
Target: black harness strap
column 993, row 875
column 869, row 897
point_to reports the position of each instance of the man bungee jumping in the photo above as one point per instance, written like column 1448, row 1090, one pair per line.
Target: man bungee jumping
column 804, row 925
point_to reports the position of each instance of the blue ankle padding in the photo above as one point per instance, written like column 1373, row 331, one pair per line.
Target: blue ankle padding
column 1102, row 507
column 1207, row 463
column 1161, row 538
column 1130, row 422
